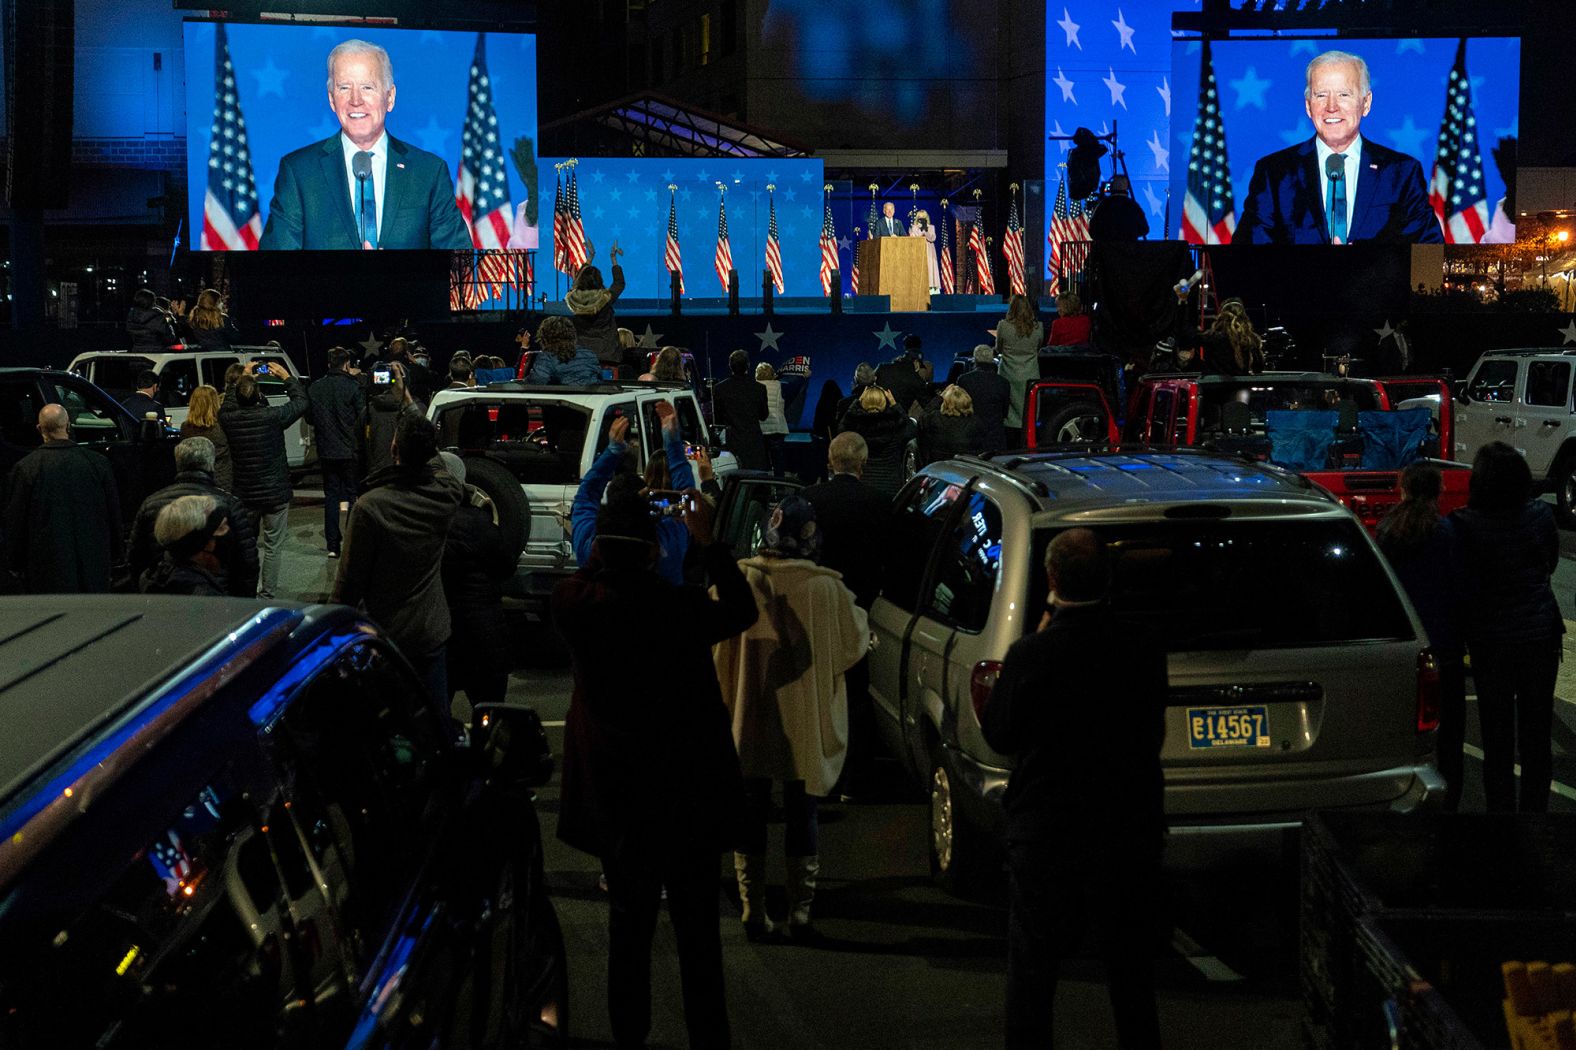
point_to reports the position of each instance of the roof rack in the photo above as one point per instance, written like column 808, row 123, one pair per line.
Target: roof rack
column 617, row 386
column 1531, row 351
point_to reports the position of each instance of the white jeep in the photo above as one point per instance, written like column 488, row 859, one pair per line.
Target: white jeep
column 1524, row 398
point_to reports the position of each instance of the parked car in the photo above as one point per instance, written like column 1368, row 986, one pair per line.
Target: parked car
column 1523, row 398
column 182, row 372
column 142, row 456
column 241, row 822
column 528, row 447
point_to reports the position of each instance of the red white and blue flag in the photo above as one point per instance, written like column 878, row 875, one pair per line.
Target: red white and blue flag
column 774, row 249
column 1209, row 212
column 828, row 250
column 985, row 279
column 723, row 261
column 671, row 257
column 560, row 225
column 574, row 229
column 949, row 281
column 482, row 188
column 230, row 219
column 1069, row 225
column 1012, row 251
column 1456, row 189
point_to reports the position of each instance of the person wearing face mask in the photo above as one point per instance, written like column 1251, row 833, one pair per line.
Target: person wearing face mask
column 189, row 530
column 1338, row 186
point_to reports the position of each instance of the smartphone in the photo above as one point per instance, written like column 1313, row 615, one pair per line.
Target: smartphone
column 383, row 376
column 693, row 451
column 666, row 503
column 261, row 369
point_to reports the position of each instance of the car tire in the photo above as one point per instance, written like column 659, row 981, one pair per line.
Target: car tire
column 510, row 506
column 1565, row 492
column 1077, row 422
column 959, row 853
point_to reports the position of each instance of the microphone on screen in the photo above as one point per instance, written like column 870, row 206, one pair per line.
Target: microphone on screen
column 361, row 168
column 361, row 165
column 1334, row 167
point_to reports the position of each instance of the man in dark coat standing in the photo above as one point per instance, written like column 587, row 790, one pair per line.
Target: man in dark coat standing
column 739, row 403
column 62, row 514
column 235, row 551
column 908, row 377
column 991, row 394
column 1080, row 705
column 476, row 562
column 853, row 519
column 651, row 780
column 337, row 407
column 259, row 465
column 143, row 399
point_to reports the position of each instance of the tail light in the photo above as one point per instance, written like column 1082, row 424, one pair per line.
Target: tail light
column 982, row 682
column 1427, row 692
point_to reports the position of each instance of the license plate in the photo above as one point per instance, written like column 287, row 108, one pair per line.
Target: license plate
column 1228, row 727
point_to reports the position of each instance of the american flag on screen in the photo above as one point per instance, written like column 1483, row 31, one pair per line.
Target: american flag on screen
column 670, row 253
column 1069, row 225
column 828, row 250
column 774, row 249
column 574, row 229
column 560, row 225
column 949, row 281
column 986, row 280
column 1209, row 214
column 1456, row 188
column 482, row 189
column 723, row 261
column 1012, row 250
column 230, row 220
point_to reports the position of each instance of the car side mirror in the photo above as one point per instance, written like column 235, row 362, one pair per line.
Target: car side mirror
column 511, row 745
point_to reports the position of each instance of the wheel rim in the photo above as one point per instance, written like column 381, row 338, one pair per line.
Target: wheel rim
column 1079, row 429
column 1570, row 489
column 941, row 818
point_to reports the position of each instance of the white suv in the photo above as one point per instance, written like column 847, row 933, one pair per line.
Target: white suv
column 180, row 372
column 1523, row 398
column 528, row 447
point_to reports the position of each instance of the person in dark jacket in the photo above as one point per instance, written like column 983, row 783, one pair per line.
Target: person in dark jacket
column 207, row 325
column 188, row 530
column 1421, row 547
column 559, row 362
column 476, row 562
column 651, row 781
column 337, row 408
column 143, row 400
column 61, row 522
column 949, row 428
column 907, row 377
column 384, row 405
column 853, row 519
column 150, row 328
column 739, row 404
column 256, row 433
column 864, row 378
column 236, row 552
column 887, row 432
column 991, row 394
column 591, row 306
column 1510, row 547
column 393, row 556
column 1081, row 705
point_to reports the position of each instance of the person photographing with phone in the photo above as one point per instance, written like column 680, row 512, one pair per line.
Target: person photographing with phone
column 259, row 465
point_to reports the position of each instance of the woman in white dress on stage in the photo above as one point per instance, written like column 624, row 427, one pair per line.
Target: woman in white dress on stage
column 922, row 228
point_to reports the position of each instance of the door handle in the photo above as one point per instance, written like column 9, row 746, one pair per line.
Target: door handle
column 1551, row 422
column 1506, row 420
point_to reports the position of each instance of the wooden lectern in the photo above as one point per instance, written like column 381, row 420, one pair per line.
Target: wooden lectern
column 897, row 267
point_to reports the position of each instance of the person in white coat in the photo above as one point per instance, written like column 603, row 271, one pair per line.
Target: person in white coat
column 921, row 227
column 782, row 681
column 775, row 426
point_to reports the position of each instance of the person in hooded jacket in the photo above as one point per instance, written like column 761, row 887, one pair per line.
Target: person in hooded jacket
column 189, row 530
column 259, row 463
column 591, row 307
column 149, row 326
column 783, row 683
column 887, row 432
column 476, row 562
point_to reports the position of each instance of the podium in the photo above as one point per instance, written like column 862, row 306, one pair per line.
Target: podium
column 897, row 267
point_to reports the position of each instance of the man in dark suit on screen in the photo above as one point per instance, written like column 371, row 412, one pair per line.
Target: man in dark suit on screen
column 1337, row 187
column 363, row 188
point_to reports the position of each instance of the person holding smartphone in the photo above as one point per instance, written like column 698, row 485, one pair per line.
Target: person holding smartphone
column 259, row 464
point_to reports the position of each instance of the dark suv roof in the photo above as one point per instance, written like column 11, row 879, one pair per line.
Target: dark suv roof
column 1111, row 474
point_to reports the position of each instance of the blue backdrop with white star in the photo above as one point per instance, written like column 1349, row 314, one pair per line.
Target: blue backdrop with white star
column 625, row 199
column 281, row 90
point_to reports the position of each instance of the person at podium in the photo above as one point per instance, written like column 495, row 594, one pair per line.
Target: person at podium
column 921, row 227
column 888, row 225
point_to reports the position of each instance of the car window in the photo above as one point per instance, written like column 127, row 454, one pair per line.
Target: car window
column 213, row 369
column 177, row 380
column 1494, row 381
column 748, row 513
column 1282, row 396
column 621, row 410
column 190, row 937
column 19, row 406
column 1262, row 584
column 689, row 420
column 917, row 522
column 357, row 752
column 93, row 421
column 273, row 386
column 538, row 440
column 968, row 567
column 1160, row 416
column 1548, row 383
column 116, row 374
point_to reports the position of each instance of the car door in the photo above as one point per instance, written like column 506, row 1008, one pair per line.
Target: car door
column 920, row 517
column 177, row 380
column 1486, row 411
column 746, row 507
column 1069, row 413
column 1543, row 412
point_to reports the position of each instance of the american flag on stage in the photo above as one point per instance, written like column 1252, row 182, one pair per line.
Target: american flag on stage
column 670, row 254
column 949, row 282
column 230, row 220
column 1012, row 251
column 560, row 225
column 723, row 261
column 828, row 250
column 1456, row 188
column 574, row 229
column 986, row 280
column 853, row 271
column 1069, row 224
column 1209, row 214
column 774, row 249
column 482, row 189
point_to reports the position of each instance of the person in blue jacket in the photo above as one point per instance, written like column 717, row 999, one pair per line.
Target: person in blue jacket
column 607, row 471
column 560, row 362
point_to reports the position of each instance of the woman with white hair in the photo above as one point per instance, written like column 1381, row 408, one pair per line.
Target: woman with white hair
column 775, row 426
column 187, row 530
column 949, row 428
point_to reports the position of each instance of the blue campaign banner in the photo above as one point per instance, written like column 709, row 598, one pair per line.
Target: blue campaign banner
column 277, row 94
column 625, row 200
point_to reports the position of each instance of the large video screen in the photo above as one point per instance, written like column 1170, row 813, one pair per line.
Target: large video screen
column 343, row 138
column 1418, row 136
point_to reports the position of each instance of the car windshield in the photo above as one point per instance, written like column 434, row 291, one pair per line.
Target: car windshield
column 538, row 440
column 1268, row 396
column 1250, row 584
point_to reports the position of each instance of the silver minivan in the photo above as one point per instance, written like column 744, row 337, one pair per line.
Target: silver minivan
column 1300, row 676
